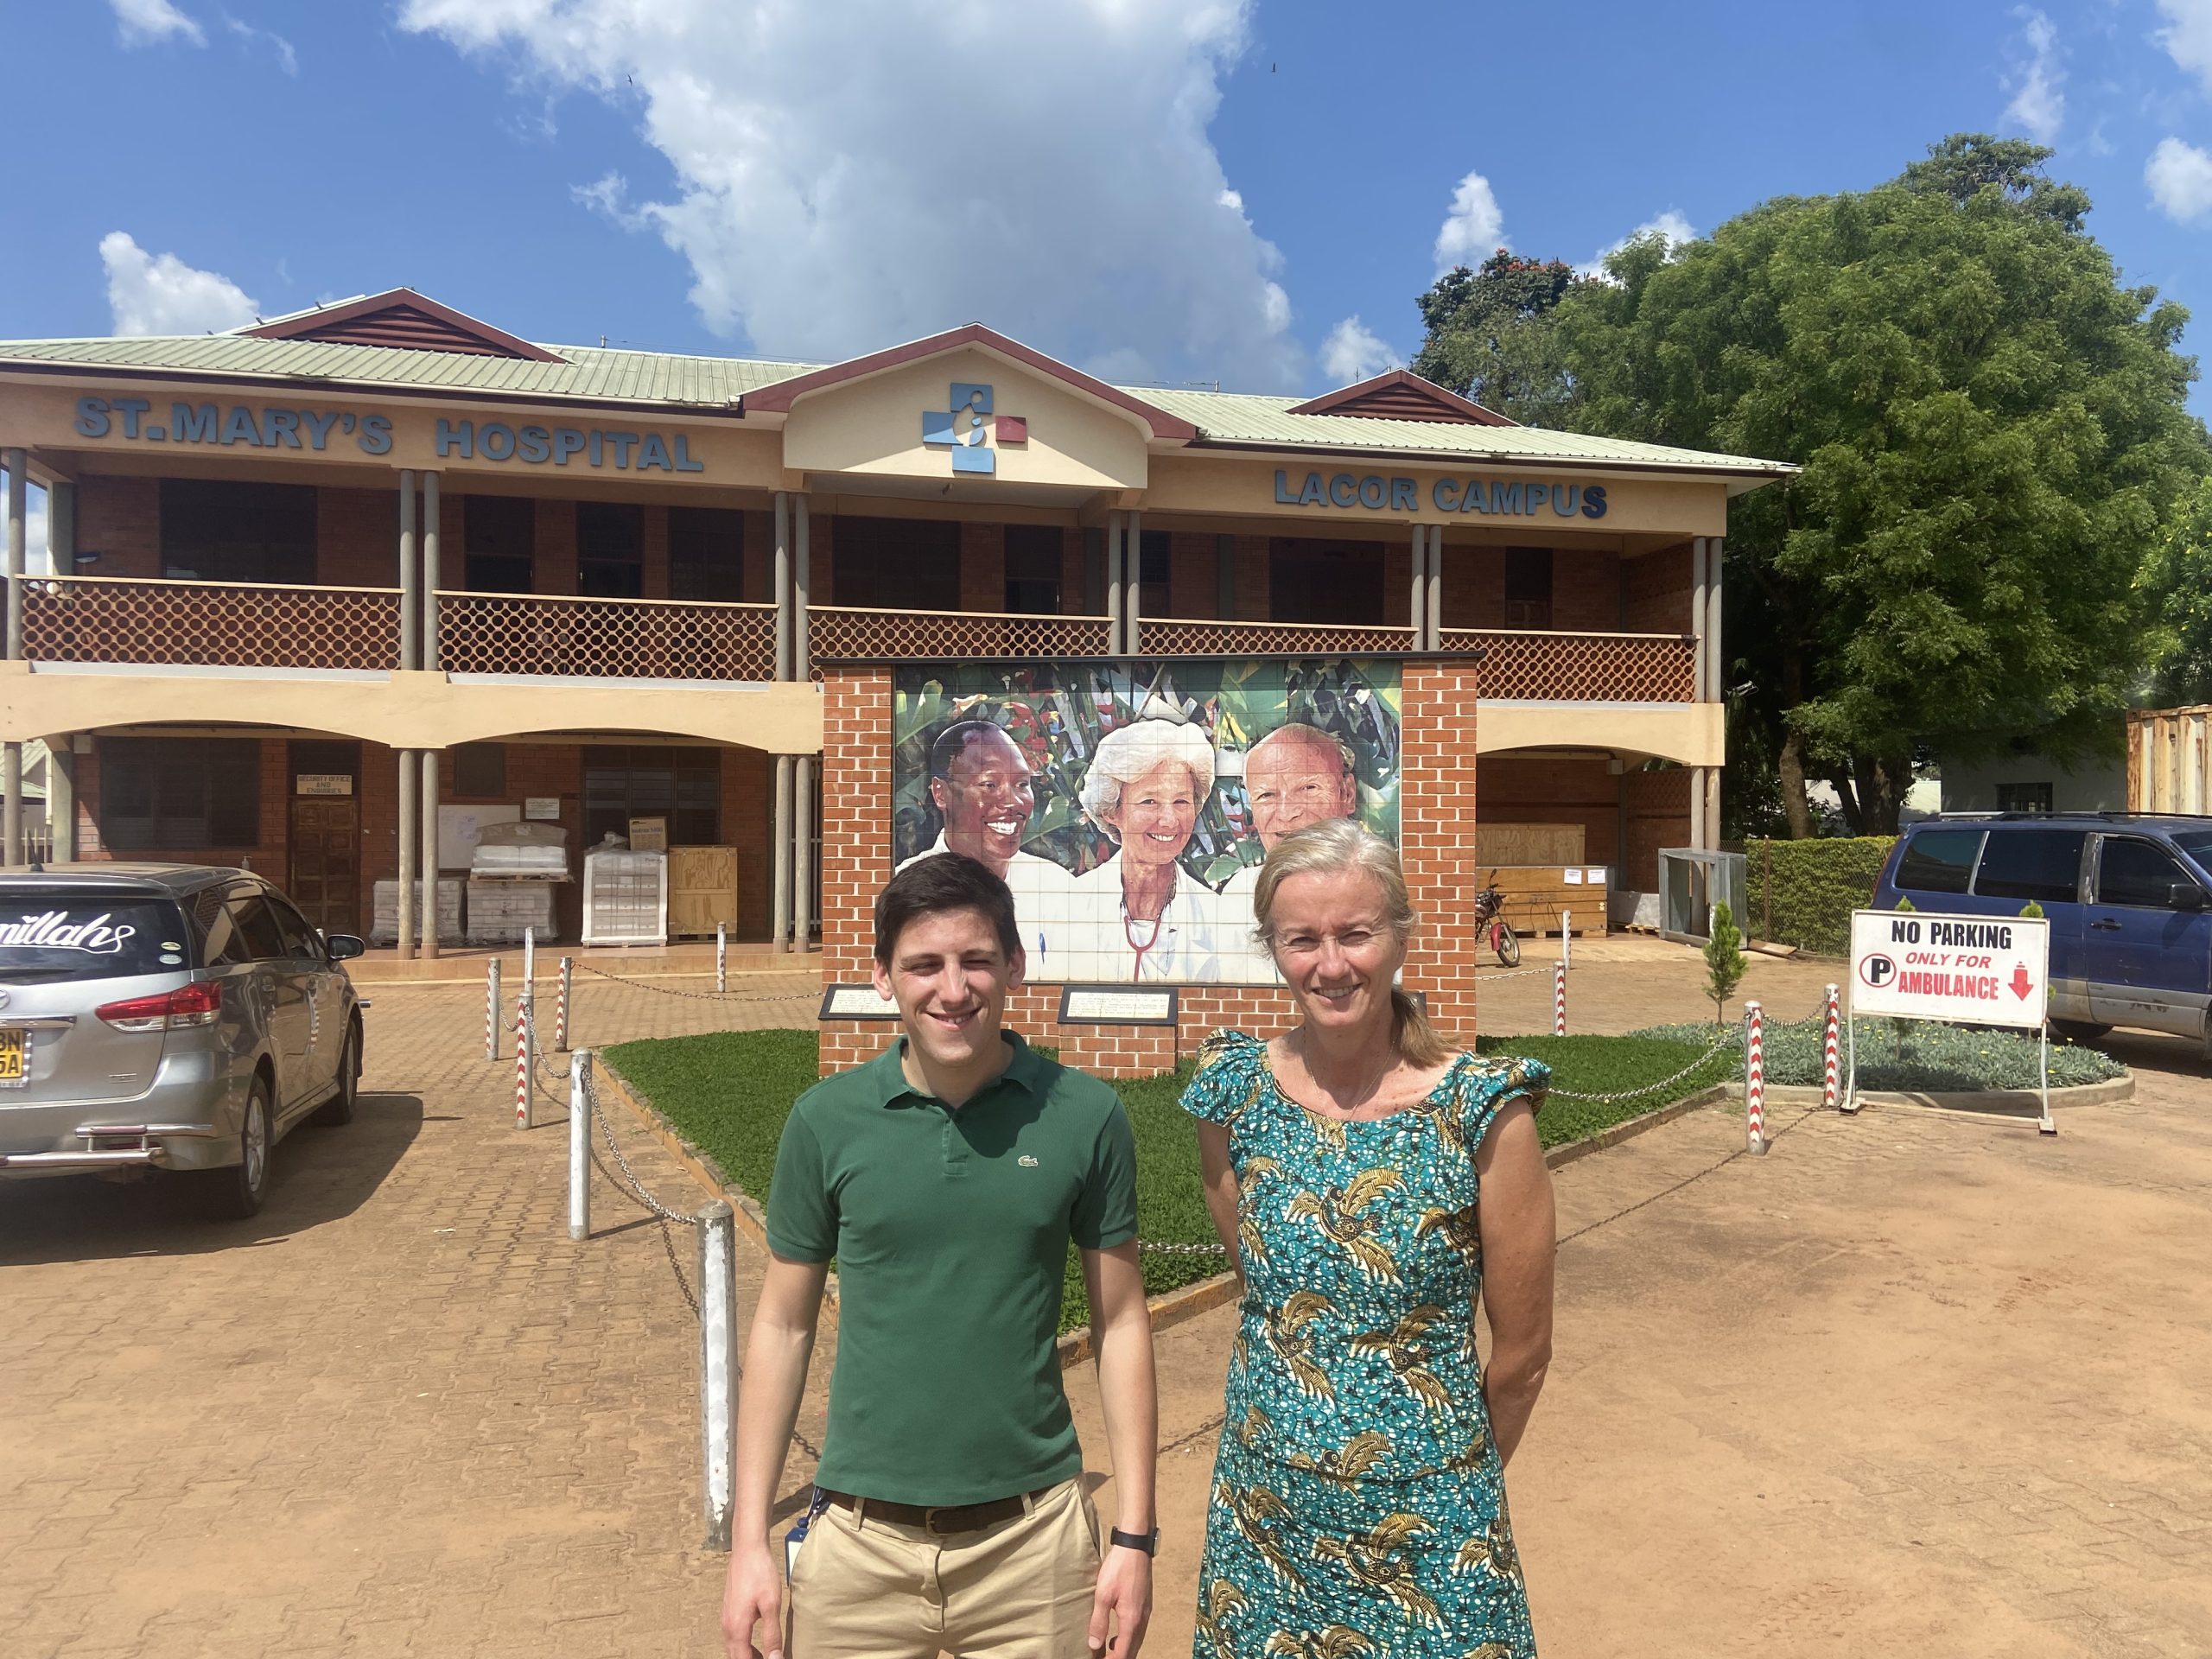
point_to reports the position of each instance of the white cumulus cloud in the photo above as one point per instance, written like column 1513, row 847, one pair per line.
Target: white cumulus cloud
column 1473, row 228
column 848, row 176
column 287, row 59
column 2180, row 177
column 1672, row 225
column 2038, row 105
column 2188, row 36
column 143, row 22
column 1353, row 352
column 159, row 293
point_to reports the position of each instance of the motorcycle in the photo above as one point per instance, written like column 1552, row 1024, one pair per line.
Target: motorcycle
column 1488, row 904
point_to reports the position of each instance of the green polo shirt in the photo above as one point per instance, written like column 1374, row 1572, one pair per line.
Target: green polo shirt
column 951, row 1230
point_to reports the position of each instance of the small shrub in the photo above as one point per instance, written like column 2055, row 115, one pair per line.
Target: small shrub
column 2031, row 911
column 1724, row 962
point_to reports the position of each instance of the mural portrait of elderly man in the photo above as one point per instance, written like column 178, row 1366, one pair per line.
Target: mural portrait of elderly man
column 980, row 783
column 1296, row 775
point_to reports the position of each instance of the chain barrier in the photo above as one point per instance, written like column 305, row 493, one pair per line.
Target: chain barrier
column 1726, row 1040
column 1518, row 973
column 1147, row 1247
column 696, row 997
column 634, row 1188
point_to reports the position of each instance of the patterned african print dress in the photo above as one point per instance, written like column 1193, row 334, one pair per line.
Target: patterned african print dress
column 1358, row 1504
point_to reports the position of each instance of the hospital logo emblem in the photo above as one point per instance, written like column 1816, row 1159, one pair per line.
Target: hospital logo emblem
column 969, row 428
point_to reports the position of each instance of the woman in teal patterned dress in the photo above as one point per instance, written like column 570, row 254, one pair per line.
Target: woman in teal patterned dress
column 1359, row 1498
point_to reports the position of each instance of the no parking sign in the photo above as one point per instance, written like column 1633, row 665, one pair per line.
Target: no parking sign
column 1960, row 970
column 1968, row 970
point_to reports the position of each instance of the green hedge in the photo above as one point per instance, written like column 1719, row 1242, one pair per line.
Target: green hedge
column 1803, row 893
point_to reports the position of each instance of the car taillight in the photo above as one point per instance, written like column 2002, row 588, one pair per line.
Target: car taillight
column 189, row 1005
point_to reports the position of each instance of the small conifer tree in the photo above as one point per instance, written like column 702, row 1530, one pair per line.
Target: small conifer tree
column 1724, row 962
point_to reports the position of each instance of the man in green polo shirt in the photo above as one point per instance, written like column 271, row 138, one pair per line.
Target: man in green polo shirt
column 947, row 1177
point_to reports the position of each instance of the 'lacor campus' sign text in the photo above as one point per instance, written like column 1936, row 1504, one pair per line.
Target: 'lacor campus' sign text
column 1972, row 970
column 1375, row 492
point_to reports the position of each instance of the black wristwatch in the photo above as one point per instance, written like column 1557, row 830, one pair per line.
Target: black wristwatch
column 1147, row 1542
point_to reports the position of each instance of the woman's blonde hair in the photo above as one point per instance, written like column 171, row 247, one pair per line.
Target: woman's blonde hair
column 1324, row 849
column 1126, row 753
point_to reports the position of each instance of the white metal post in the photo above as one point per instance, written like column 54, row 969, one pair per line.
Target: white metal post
column 717, row 1366
column 1566, row 940
column 561, row 992
column 2046, row 1123
column 721, row 957
column 579, row 1145
column 1850, row 1102
column 1559, row 999
column 1754, row 1077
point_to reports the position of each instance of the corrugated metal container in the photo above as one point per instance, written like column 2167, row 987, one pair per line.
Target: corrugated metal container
column 2170, row 759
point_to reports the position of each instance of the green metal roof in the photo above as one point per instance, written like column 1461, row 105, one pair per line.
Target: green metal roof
column 603, row 374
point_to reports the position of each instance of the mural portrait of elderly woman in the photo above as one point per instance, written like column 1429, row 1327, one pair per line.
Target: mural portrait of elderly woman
column 1144, row 917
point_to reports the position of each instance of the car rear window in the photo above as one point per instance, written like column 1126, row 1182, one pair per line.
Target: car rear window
column 48, row 934
column 1939, row 861
column 2044, row 865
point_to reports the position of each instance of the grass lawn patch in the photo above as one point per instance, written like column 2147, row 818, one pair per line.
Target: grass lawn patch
column 729, row 1092
column 1912, row 1055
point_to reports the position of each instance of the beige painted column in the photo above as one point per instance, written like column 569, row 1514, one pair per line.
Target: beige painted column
column 1716, row 663
column 803, row 855
column 802, row 593
column 1700, row 673
column 62, row 795
column 430, row 580
column 409, row 773
column 1420, row 595
column 782, row 579
column 411, row 580
column 1133, row 584
column 1116, row 551
column 779, row 892
column 429, row 931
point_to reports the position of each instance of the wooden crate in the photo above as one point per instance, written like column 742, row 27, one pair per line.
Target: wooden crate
column 702, row 890
column 1535, row 894
column 1523, row 844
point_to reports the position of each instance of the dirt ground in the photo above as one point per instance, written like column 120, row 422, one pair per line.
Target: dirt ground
column 1910, row 1381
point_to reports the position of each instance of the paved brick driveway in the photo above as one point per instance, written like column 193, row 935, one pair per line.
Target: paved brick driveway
column 1910, row 1384
column 399, row 1413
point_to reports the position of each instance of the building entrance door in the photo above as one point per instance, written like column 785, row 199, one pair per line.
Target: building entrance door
column 326, row 864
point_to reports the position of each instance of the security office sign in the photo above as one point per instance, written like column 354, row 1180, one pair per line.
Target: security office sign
column 1968, row 971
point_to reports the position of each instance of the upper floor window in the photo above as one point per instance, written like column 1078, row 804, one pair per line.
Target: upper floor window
column 1528, row 587
column 610, row 549
column 213, row 529
column 907, row 564
column 500, row 538
column 1032, row 569
column 1312, row 581
column 1155, row 573
column 706, row 553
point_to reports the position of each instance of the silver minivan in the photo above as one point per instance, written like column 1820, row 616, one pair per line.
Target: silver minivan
column 167, row 1017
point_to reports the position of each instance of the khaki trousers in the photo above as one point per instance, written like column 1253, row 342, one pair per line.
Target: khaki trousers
column 865, row 1588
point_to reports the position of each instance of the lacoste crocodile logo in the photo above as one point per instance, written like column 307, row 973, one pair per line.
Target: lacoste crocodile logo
column 1027, row 1161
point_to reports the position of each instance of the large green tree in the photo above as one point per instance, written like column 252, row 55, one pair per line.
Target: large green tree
column 1489, row 336
column 2177, row 589
column 1992, row 435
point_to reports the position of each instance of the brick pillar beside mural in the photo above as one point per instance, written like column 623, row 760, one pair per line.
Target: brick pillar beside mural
column 1436, row 827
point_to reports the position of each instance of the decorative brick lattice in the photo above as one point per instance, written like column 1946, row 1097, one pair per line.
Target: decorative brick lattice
column 605, row 638
column 1582, row 667
column 215, row 623
column 1184, row 637
column 856, row 633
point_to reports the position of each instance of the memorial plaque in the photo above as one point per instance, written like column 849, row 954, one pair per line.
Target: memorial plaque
column 1117, row 1005
column 855, row 1002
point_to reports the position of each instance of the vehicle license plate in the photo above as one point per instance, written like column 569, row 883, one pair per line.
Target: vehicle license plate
column 15, row 1058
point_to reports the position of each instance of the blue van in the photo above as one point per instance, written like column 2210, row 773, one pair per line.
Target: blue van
column 2129, row 899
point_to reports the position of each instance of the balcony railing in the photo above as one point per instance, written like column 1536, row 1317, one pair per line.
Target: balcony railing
column 1580, row 667
column 208, row 624
column 853, row 631
column 605, row 638
column 1173, row 636
column 132, row 621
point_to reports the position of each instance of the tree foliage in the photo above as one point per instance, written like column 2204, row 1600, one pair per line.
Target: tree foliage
column 1724, row 961
column 1488, row 336
column 2176, row 587
column 1992, row 434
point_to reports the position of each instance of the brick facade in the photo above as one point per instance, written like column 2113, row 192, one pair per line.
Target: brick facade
column 1437, row 832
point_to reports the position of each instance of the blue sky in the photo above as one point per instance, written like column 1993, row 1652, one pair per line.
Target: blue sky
column 1165, row 190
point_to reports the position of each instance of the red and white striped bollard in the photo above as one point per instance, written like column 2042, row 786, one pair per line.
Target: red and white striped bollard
column 492, row 1009
column 1831, row 1066
column 561, row 1005
column 1559, row 999
column 1755, row 1077
column 522, row 1063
